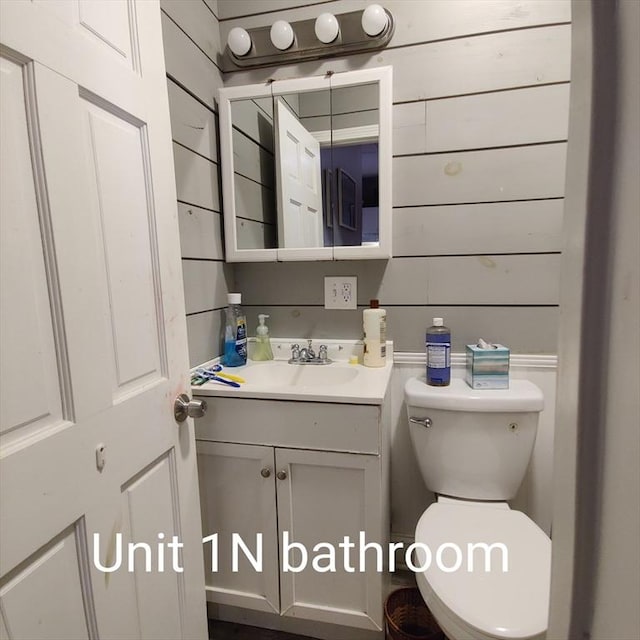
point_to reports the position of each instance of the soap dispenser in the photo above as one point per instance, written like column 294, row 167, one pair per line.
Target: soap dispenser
column 262, row 349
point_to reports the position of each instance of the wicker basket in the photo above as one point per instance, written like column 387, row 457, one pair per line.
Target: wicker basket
column 408, row 618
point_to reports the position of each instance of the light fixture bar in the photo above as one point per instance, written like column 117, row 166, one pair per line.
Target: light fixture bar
column 306, row 46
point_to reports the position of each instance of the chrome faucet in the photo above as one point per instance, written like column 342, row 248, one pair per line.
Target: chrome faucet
column 307, row 355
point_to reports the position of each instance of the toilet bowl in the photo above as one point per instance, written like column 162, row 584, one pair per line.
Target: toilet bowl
column 473, row 449
column 511, row 598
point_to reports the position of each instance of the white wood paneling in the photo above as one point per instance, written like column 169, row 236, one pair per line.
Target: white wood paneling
column 205, row 336
column 213, row 6
column 538, row 114
column 200, row 233
column 254, row 201
column 192, row 124
column 205, row 285
column 530, row 329
column 252, row 161
column 502, row 118
column 405, row 281
column 480, row 176
column 196, row 19
column 415, row 20
column 255, row 119
column 187, row 64
column 410, row 128
column 196, row 179
column 454, row 67
column 256, row 235
column 495, row 227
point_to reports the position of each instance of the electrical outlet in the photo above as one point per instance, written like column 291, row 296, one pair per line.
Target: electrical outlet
column 341, row 292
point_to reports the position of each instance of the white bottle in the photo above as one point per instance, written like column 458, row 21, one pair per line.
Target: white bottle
column 374, row 321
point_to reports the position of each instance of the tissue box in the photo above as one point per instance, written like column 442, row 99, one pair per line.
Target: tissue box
column 487, row 368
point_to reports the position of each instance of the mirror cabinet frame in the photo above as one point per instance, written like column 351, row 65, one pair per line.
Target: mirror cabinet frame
column 380, row 250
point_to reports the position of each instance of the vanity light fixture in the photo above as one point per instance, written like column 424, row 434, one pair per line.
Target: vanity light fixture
column 374, row 20
column 239, row 41
column 325, row 36
column 326, row 28
column 282, row 35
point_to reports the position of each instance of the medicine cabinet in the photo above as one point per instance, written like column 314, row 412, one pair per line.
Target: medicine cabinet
column 306, row 168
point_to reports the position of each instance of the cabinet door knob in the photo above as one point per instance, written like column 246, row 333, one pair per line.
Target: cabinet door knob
column 266, row 472
column 281, row 475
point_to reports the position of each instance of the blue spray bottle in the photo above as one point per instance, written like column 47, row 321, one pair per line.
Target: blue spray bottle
column 235, row 333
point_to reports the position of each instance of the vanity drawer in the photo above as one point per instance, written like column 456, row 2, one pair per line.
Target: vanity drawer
column 302, row 425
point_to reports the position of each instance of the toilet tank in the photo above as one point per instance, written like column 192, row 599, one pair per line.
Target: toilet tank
column 479, row 442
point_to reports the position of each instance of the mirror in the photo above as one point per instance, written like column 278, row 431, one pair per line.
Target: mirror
column 306, row 168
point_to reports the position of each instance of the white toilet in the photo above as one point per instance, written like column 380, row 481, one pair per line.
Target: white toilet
column 473, row 448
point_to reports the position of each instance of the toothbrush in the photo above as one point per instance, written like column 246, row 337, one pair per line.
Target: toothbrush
column 231, row 377
column 231, row 383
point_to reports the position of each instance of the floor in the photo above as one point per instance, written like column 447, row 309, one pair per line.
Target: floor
column 230, row 631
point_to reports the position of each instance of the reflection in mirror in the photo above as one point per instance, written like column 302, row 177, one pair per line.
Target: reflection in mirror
column 345, row 121
column 291, row 154
column 254, row 173
column 299, row 183
column 306, row 167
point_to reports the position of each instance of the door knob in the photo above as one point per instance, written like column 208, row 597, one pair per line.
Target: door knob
column 266, row 472
column 184, row 408
column 281, row 475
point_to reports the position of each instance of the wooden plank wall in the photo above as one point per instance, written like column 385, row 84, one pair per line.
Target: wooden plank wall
column 192, row 47
column 481, row 94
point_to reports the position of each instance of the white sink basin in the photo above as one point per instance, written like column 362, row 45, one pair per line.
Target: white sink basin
column 282, row 374
column 335, row 382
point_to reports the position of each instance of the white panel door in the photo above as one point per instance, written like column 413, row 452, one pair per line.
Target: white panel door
column 323, row 497
column 299, row 182
column 93, row 333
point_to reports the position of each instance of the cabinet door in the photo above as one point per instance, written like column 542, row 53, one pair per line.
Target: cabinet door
column 237, row 495
column 323, row 497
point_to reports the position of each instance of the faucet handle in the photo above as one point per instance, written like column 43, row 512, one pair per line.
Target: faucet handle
column 322, row 353
column 295, row 351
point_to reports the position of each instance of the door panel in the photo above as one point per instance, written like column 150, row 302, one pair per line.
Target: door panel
column 29, row 611
column 325, row 497
column 298, row 176
column 119, row 154
column 24, row 276
column 95, row 332
column 236, row 498
column 155, row 522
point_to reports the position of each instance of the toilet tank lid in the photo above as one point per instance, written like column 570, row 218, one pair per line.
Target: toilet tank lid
column 521, row 396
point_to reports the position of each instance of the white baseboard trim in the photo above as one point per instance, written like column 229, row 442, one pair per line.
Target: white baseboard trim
column 516, row 361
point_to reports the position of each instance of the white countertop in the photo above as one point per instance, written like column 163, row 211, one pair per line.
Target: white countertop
column 278, row 380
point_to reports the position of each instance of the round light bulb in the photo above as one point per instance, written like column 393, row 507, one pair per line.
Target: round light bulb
column 281, row 34
column 239, row 41
column 374, row 20
column 326, row 27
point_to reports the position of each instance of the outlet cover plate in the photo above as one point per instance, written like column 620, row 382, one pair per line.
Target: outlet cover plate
column 341, row 292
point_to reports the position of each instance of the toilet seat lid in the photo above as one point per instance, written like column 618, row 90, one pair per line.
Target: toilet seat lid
column 511, row 604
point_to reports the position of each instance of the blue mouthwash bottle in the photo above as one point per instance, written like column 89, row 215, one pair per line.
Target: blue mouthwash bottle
column 438, row 343
column 235, row 333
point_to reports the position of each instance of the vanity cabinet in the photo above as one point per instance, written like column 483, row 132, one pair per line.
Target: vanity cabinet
column 317, row 487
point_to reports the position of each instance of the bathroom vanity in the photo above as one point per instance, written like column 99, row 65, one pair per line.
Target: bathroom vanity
column 295, row 463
